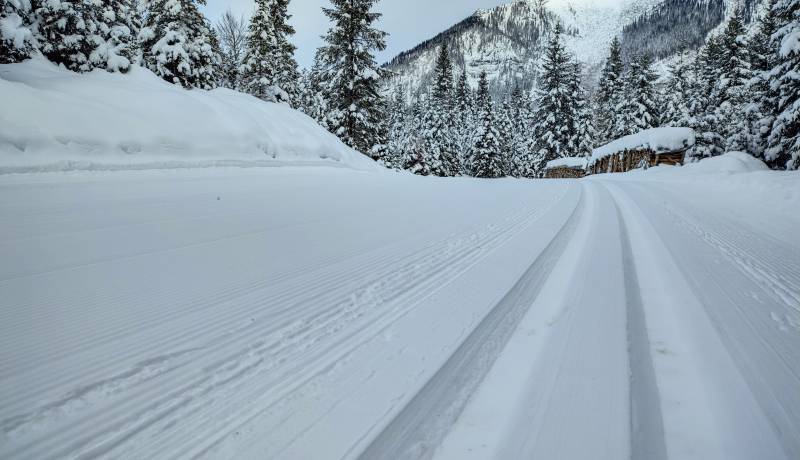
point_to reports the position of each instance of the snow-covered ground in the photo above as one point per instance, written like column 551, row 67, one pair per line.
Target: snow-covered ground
column 320, row 312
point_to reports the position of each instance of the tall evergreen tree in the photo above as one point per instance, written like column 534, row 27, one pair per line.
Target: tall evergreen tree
column 399, row 132
column 581, row 125
column 732, row 86
column 609, row 92
column 764, row 99
column 486, row 158
column 638, row 110
column 784, row 138
column 464, row 120
column 677, row 94
column 177, row 45
column 350, row 74
column 523, row 160
column 703, row 101
column 552, row 129
column 270, row 71
column 439, row 133
column 17, row 40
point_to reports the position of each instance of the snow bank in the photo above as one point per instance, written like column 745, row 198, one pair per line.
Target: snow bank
column 570, row 162
column 54, row 119
column 658, row 140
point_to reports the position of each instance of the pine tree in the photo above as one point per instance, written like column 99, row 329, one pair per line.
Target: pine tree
column 581, row 126
column 677, row 94
column 438, row 132
column 522, row 149
column 398, row 131
column 732, row 86
column 638, row 110
column 414, row 158
column 69, row 32
column 763, row 58
column 609, row 92
column 486, row 159
column 270, row 71
column 350, row 74
column 552, row 129
column 703, row 101
column 176, row 42
column 784, row 138
column 17, row 40
column 464, row 120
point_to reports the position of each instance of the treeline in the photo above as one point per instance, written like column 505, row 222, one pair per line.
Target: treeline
column 739, row 91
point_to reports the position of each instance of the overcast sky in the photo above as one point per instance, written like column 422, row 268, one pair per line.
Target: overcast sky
column 408, row 21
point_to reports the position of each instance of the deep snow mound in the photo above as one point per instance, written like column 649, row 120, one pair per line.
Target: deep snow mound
column 54, row 119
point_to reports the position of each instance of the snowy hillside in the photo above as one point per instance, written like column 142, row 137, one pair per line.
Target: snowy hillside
column 54, row 119
column 506, row 41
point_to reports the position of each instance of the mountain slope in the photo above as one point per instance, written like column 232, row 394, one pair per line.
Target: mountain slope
column 506, row 41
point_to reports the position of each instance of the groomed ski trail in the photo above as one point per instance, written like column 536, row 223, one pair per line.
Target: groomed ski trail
column 192, row 314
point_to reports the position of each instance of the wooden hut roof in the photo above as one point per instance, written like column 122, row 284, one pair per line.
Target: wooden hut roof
column 569, row 162
column 658, row 140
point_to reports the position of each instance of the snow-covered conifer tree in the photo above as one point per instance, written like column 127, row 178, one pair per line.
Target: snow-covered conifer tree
column 678, row 93
column 763, row 58
column 522, row 162
column 486, row 158
column 350, row 75
column 784, row 138
column 438, row 131
column 638, row 109
column 17, row 40
column 270, row 71
column 552, row 129
column 732, row 86
column 176, row 43
column 609, row 91
column 69, row 32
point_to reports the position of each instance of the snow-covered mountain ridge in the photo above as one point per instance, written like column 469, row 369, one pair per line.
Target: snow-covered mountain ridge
column 505, row 41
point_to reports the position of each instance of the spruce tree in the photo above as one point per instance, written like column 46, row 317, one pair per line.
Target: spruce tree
column 638, row 110
column 552, row 129
column 609, row 92
column 439, row 133
column 350, row 74
column 176, row 43
column 17, row 40
column 581, row 125
column 784, row 139
column 522, row 150
column 69, row 33
column 732, row 86
column 677, row 94
column 270, row 71
column 398, row 131
column 761, row 112
column 486, row 159
column 464, row 120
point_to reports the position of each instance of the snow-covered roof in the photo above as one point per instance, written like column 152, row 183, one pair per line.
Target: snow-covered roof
column 659, row 140
column 570, row 162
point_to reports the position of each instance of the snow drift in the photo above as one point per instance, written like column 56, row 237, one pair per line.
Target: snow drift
column 54, row 119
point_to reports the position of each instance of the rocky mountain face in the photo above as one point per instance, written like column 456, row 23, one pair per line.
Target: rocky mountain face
column 506, row 41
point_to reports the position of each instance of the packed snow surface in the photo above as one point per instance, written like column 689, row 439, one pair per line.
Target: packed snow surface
column 656, row 139
column 299, row 313
column 54, row 119
column 569, row 162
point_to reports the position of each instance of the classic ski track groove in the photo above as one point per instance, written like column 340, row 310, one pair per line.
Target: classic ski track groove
column 427, row 266
column 417, row 430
